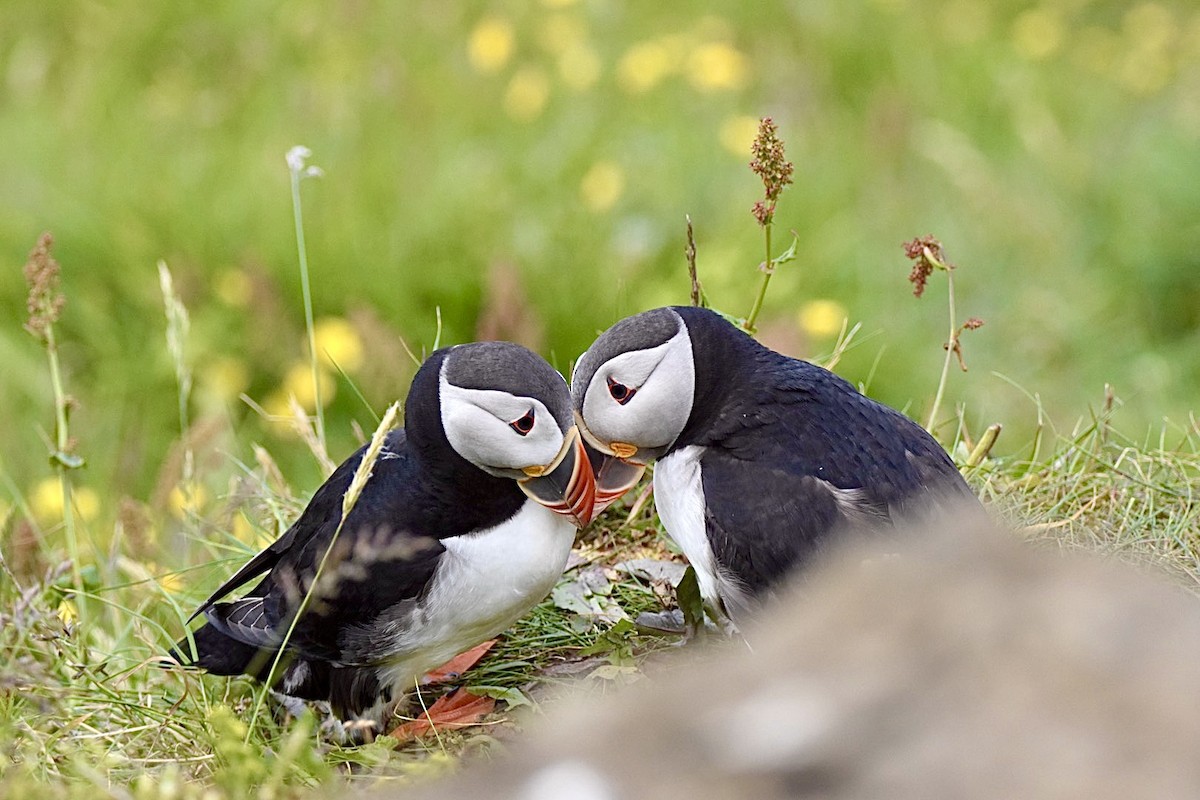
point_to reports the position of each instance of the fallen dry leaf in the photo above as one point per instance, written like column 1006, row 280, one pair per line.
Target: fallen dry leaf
column 455, row 667
column 458, row 709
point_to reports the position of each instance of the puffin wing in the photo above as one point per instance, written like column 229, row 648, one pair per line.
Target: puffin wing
column 370, row 572
column 373, row 565
column 809, row 457
column 764, row 519
column 324, row 509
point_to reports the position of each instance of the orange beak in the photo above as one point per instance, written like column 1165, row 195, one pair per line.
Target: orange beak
column 613, row 478
column 566, row 485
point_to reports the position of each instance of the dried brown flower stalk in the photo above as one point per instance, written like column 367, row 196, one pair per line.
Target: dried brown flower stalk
column 927, row 254
column 775, row 170
column 45, row 303
column 770, row 165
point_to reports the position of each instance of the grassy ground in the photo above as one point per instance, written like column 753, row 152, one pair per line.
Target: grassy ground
column 84, row 711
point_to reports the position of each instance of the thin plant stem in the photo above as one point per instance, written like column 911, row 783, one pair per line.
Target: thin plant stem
column 61, row 440
column 689, row 253
column 362, row 474
column 308, row 312
column 937, row 398
column 768, row 270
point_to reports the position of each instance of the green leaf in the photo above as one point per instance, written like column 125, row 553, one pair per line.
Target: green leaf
column 737, row 322
column 509, row 694
column 613, row 642
column 787, row 255
column 61, row 458
column 687, row 593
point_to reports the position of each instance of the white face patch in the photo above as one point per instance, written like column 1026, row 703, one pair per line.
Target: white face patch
column 663, row 381
column 478, row 424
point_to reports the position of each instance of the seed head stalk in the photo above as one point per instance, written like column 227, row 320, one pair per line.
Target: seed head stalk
column 62, row 441
column 941, row 389
column 768, row 270
column 776, row 174
column 927, row 255
column 45, row 304
column 362, row 474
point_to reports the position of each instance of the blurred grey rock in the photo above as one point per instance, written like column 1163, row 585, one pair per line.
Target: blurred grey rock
column 959, row 664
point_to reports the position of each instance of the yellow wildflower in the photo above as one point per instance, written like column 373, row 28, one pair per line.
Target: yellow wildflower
column 560, row 32
column 717, row 66
column 338, row 343
column 491, row 44
column 248, row 533
column 821, row 319
column 1150, row 27
column 185, row 500
column 527, row 94
column 170, row 582
column 602, row 186
column 298, row 382
column 233, row 287
column 644, row 66
column 965, row 22
column 67, row 612
column 1038, row 33
column 737, row 134
column 1144, row 73
column 579, row 67
column 46, row 501
column 226, row 377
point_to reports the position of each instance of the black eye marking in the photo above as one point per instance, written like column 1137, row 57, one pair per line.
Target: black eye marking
column 620, row 392
column 523, row 425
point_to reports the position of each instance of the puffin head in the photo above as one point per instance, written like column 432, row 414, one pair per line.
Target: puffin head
column 508, row 412
column 632, row 393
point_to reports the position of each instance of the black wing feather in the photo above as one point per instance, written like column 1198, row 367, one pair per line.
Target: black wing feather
column 325, row 507
column 808, row 456
column 376, row 564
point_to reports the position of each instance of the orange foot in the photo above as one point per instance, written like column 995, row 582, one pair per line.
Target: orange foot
column 456, row 710
column 455, row 667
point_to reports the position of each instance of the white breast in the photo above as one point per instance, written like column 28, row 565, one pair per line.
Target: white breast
column 679, row 498
column 484, row 582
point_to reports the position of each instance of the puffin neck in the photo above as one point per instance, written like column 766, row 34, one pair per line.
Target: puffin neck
column 725, row 359
column 480, row 500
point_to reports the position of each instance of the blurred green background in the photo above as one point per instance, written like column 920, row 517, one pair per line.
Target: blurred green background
column 526, row 168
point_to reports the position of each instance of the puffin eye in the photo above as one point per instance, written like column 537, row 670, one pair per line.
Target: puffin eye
column 620, row 392
column 523, row 425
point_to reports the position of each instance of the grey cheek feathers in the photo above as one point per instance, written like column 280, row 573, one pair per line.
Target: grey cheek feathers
column 665, row 379
column 475, row 422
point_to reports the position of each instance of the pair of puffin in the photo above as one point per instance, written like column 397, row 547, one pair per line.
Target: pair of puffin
column 470, row 515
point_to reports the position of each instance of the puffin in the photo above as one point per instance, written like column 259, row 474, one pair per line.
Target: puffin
column 465, row 524
column 761, row 459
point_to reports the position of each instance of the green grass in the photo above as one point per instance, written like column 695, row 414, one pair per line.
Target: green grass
column 509, row 190
column 86, row 712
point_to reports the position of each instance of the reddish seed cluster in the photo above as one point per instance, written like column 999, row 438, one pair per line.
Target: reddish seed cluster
column 45, row 302
column 974, row 323
column 919, row 250
column 770, row 165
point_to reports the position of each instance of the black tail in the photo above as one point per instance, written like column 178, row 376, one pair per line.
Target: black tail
column 219, row 654
column 222, row 655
